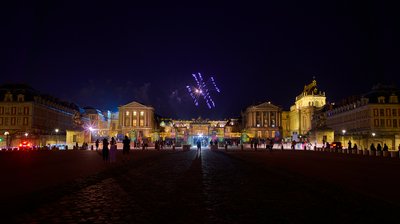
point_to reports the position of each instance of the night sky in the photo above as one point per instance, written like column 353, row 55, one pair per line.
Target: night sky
column 106, row 55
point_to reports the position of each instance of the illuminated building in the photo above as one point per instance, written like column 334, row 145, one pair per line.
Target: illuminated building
column 263, row 121
column 136, row 121
column 25, row 110
column 373, row 117
column 99, row 122
column 205, row 130
column 301, row 113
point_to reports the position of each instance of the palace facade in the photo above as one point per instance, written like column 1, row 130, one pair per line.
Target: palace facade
column 136, row 121
column 373, row 117
column 263, row 121
column 25, row 113
column 301, row 113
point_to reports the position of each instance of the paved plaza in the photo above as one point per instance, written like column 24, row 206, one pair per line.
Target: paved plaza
column 220, row 186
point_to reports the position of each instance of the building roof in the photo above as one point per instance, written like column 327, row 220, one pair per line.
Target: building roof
column 381, row 90
column 30, row 94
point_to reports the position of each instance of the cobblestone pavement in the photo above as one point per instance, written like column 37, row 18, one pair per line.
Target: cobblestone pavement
column 206, row 187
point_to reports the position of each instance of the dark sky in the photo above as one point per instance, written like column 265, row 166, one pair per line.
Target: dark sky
column 105, row 55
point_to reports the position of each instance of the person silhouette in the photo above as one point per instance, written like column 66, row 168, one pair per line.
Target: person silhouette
column 105, row 150
column 97, row 144
column 126, row 147
column 198, row 145
column 113, row 150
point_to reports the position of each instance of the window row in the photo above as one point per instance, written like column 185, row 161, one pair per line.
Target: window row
column 13, row 121
column 135, row 113
column 134, row 122
column 386, row 112
column 14, row 110
column 389, row 123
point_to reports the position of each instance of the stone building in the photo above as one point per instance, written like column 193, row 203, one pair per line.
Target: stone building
column 136, row 121
column 26, row 114
column 373, row 117
column 301, row 113
column 263, row 121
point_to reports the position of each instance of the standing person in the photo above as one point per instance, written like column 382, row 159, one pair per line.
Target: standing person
column 126, row 147
column 293, row 144
column 385, row 147
column 105, row 150
column 271, row 145
column 113, row 150
column 198, row 145
column 349, row 145
column 379, row 147
column 97, row 144
column 372, row 147
column 355, row 147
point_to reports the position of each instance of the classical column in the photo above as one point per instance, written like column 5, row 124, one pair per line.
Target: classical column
column 254, row 119
column 269, row 119
column 123, row 118
column 262, row 118
column 279, row 119
column 147, row 119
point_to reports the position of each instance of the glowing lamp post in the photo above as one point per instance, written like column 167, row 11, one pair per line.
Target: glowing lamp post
column 56, row 130
column 344, row 132
column 7, row 134
column 91, row 130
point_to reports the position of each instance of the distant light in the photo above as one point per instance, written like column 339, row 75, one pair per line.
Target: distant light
column 6, row 133
column 344, row 131
column 26, row 134
column 373, row 134
column 56, row 130
column 91, row 129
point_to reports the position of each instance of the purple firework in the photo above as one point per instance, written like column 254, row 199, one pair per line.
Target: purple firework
column 201, row 90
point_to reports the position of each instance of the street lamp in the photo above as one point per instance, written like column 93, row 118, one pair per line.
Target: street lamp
column 56, row 130
column 344, row 132
column 373, row 134
column 7, row 134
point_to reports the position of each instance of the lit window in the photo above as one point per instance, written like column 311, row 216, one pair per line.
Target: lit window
column 134, row 113
column 141, row 113
column 127, row 113
column 376, row 112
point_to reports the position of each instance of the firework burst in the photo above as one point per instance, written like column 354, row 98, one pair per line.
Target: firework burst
column 202, row 90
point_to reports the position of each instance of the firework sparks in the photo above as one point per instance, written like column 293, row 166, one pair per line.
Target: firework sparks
column 201, row 89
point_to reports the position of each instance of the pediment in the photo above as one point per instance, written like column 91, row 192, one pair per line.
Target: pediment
column 266, row 105
column 135, row 105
